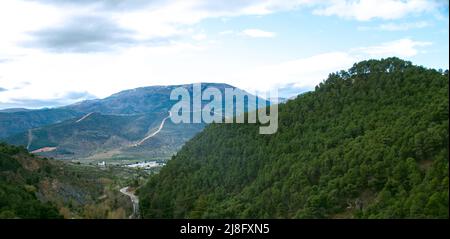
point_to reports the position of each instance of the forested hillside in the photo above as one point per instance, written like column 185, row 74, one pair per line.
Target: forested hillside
column 370, row 142
column 17, row 199
column 40, row 188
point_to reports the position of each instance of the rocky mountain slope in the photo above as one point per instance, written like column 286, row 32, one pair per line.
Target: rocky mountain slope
column 113, row 128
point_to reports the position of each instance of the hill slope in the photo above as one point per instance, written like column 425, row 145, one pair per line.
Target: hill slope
column 87, row 135
column 109, row 128
column 16, row 197
column 40, row 188
column 15, row 121
column 371, row 142
column 142, row 100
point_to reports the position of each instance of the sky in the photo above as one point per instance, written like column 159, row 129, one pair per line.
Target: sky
column 58, row 52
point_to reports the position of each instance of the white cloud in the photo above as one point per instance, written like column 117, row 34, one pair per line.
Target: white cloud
column 170, row 18
column 303, row 73
column 52, row 76
column 403, row 26
column 101, row 74
column 253, row 33
column 185, row 59
column 393, row 26
column 17, row 18
column 263, row 7
column 310, row 71
column 174, row 18
column 400, row 48
column 199, row 37
column 257, row 33
column 364, row 10
column 226, row 32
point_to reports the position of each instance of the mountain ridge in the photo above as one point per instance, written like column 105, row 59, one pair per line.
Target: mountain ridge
column 107, row 128
column 370, row 142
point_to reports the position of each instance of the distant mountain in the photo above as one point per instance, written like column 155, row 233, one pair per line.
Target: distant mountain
column 370, row 142
column 14, row 110
column 129, row 125
column 140, row 100
column 17, row 121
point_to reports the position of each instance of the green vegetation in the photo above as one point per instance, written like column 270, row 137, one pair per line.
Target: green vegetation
column 109, row 138
column 13, row 122
column 32, row 187
column 16, row 194
column 370, row 142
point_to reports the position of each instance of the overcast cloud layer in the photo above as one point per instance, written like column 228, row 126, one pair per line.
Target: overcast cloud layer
column 56, row 52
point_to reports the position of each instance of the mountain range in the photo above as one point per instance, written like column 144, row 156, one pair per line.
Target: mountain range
column 128, row 125
column 369, row 142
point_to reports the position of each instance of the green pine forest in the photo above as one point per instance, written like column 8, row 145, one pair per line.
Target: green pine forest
column 32, row 187
column 370, row 142
column 17, row 198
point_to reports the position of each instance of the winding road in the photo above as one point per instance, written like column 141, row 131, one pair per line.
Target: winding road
column 84, row 117
column 134, row 200
column 154, row 133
